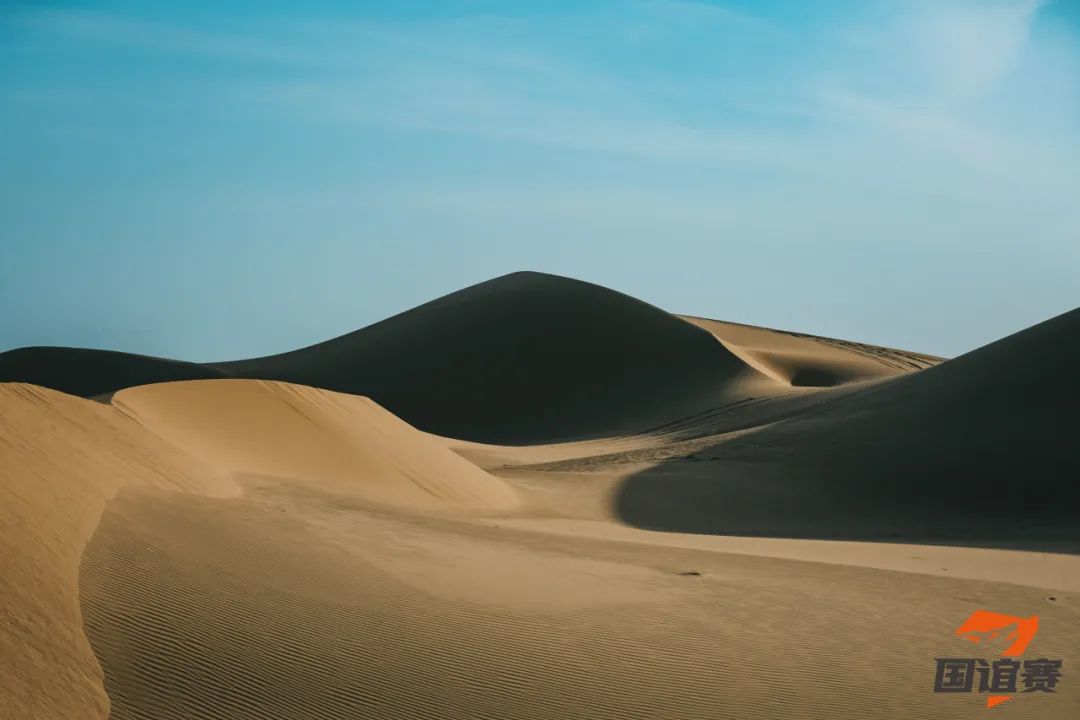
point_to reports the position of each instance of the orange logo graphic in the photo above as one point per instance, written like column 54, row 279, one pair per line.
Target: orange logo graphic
column 1013, row 634
column 986, row 625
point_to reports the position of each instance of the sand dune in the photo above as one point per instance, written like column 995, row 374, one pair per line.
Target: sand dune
column 521, row 359
column 283, row 606
column 983, row 446
column 61, row 459
column 809, row 360
column 87, row 373
column 343, row 444
column 252, row 548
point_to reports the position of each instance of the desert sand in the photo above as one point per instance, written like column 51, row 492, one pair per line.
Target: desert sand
column 535, row 498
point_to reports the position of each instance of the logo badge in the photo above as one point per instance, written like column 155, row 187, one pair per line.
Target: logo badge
column 1000, row 678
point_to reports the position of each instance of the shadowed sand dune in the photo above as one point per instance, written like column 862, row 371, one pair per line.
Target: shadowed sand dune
column 522, row 359
column 980, row 447
column 87, row 373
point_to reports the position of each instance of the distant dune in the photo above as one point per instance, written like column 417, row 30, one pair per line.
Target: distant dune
column 534, row 498
column 87, row 373
column 520, row 359
column 804, row 360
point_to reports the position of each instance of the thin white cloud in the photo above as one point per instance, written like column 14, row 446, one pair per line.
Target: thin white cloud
column 966, row 48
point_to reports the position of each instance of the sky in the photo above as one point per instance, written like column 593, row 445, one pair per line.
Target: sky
column 216, row 180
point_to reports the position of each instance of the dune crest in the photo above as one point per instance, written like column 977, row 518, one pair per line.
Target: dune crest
column 802, row 360
column 345, row 444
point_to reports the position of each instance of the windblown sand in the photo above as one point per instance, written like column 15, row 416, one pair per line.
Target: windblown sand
column 250, row 548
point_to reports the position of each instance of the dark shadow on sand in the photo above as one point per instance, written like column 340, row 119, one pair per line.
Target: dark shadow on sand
column 983, row 450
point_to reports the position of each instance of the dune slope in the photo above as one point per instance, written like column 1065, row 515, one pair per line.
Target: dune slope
column 984, row 444
column 521, row 359
column 525, row 358
column 802, row 360
column 61, row 459
column 341, row 444
column 286, row 606
column 235, row 548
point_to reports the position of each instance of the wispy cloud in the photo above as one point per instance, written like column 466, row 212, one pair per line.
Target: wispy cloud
column 922, row 73
column 947, row 76
column 967, row 48
column 920, row 84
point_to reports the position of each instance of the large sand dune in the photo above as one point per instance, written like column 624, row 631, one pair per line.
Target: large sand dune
column 249, row 548
column 983, row 446
column 521, row 359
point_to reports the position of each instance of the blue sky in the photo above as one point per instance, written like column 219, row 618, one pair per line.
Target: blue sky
column 226, row 179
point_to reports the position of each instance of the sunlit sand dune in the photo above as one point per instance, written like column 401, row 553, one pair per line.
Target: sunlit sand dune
column 61, row 460
column 343, row 444
column 810, row 361
column 285, row 605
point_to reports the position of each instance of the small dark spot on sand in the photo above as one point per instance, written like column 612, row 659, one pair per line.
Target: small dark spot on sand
column 1051, row 598
column 690, row 573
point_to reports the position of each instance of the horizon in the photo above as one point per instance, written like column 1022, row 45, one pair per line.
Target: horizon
column 229, row 180
column 563, row 277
